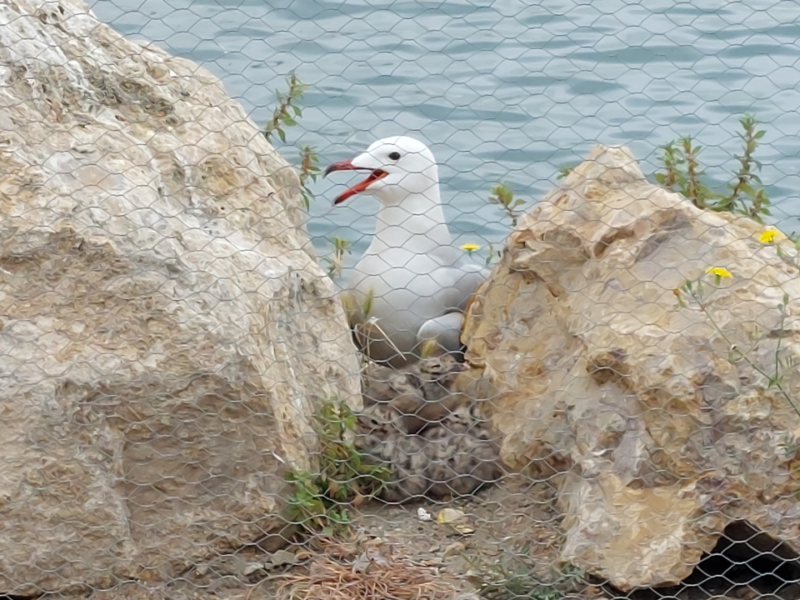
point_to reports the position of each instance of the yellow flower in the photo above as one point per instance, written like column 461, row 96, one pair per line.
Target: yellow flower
column 768, row 236
column 719, row 272
column 470, row 247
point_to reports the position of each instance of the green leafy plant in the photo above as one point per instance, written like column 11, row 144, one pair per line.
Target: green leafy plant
column 336, row 260
column 492, row 254
column 745, row 194
column 694, row 187
column 320, row 500
column 286, row 114
column 366, row 307
column 503, row 196
column 564, row 171
column 287, row 111
column 309, row 171
column 744, row 190
column 672, row 176
column 684, row 174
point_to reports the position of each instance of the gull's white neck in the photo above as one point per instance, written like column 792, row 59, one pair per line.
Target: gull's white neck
column 415, row 224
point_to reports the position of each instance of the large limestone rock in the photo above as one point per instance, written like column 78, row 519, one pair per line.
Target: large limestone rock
column 165, row 330
column 659, row 416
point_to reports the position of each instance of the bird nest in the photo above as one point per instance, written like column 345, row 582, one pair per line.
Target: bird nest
column 378, row 572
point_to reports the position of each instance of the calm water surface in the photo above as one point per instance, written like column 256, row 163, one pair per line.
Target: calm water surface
column 500, row 90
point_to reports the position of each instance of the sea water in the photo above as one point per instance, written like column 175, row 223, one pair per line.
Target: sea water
column 501, row 91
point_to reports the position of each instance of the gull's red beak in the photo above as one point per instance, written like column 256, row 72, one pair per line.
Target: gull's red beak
column 342, row 165
column 347, row 165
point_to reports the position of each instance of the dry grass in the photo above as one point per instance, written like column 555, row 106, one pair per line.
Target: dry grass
column 378, row 572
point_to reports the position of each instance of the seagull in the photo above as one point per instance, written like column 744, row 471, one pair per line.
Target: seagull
column 408, row 293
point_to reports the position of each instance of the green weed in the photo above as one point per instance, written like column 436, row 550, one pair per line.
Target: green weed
column 503, row 196
column 287, row 111
column 320, row 500
column 336, row 260
column 745, row 194
column 285, row 115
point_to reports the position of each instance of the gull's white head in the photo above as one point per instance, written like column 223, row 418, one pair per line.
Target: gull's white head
column 398, row 166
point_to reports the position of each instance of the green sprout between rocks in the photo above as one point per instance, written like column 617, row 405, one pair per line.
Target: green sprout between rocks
column 743, row 195
column 564, row 171
column 503, row 196
column 320, row 500
column 366, row 305
column 491, row 254
column 336, row 260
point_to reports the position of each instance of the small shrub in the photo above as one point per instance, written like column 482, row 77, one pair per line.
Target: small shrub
column 287, row 110
column 285, row 115
column 744, row 194
column 320, row 500
column 503, row 196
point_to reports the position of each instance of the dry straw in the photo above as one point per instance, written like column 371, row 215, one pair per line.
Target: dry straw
column 376, row 573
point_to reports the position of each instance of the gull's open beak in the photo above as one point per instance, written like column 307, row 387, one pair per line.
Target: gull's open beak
column 347, row 165
column 342, row 165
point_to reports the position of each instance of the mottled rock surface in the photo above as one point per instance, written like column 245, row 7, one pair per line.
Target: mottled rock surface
column 662, row 431
column 165, row 330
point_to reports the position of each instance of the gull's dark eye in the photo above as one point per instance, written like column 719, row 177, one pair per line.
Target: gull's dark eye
column 395, row 156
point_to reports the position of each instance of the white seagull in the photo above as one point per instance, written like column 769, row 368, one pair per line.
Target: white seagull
column 412, row 286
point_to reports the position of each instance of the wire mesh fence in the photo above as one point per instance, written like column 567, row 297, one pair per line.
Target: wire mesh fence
column 448, row 348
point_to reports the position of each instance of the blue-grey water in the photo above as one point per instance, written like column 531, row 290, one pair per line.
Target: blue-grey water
column 501, row 90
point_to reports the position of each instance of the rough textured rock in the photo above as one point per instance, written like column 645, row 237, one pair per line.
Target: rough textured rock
column 165, row 328
column 664, row 433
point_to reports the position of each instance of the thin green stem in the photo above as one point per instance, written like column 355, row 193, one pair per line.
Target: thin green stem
column 780, row 338
column 504, row 196
column 287, row 104
column 744, row 356
column 694, row 188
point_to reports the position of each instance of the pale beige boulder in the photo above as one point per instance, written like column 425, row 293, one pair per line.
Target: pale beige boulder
column 165, row 330
column 661, row 428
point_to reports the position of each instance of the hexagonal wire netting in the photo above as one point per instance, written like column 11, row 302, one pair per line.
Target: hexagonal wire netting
column 515, row 93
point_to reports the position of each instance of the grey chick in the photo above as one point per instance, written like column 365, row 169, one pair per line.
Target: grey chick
column 452, row 457
column 463, row 455
column 435, row 376
column 416, row 397
column 402, row 454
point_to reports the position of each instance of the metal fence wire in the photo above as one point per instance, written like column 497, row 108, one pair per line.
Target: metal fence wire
column 399, row 299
